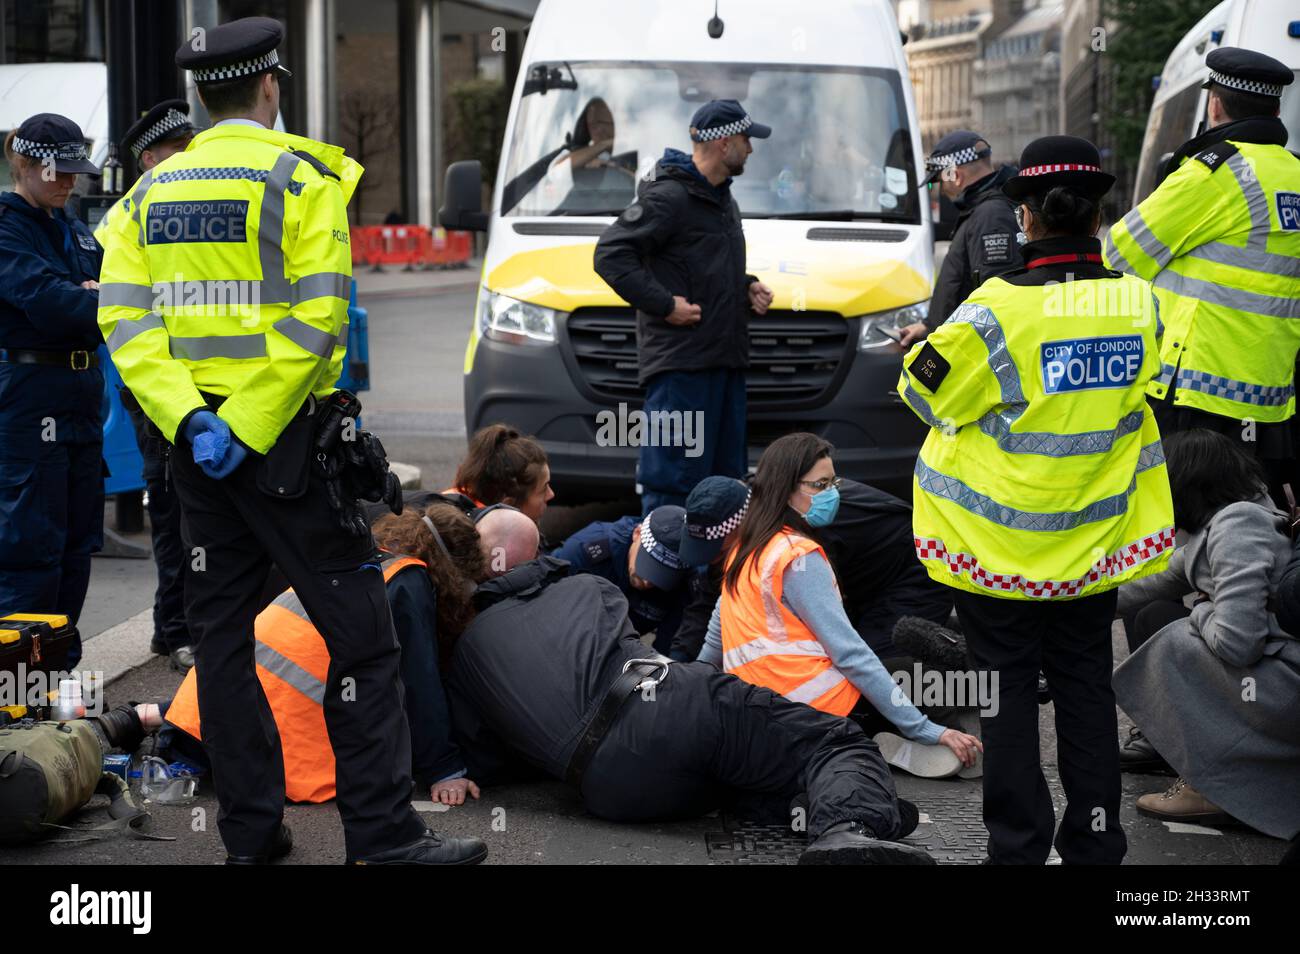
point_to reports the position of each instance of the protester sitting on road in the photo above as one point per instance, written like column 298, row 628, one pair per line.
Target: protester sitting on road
column 640, row 557
column 430, row 560
column 780, row 621
column 1217, row 693
column 503, row 466
column 869, row 543
column 550, row 677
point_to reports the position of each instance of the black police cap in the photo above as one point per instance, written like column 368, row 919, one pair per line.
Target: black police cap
column 720, row 118
column 714, row 508
column 1248, row 71
column 1059, row 161
column 167, row 120
column 955, row 149
column 239, row 48
column 49, row 136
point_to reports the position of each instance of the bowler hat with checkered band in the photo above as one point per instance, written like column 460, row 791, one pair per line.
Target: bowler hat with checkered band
column 1052, row 161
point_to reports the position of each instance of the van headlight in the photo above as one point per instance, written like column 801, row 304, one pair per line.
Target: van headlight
column 882, row 327
column 502, row 318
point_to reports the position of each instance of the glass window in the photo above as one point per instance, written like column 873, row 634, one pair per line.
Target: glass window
column 586, row 132
column 1174, row 121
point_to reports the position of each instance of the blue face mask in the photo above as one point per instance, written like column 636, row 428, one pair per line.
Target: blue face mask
column 825, row 505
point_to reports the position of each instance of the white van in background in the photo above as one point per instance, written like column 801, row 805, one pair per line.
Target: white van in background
column 835, row 221
column 1267, row 26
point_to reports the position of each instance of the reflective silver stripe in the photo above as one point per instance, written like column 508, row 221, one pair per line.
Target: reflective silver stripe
column 1256, row 200
column 1048, row 444
column 1146, row 240
column 128, row 328
column 1260, row 394
column 997, row 424
column 219, row 346
column 289, row 600
column 305, row 336
column 1252, row 259
column 126, row 295
column 816, row 687
column 283, row 667
column 137, row 197
column 321, row 285
column 270, row 228
column 921, row 406
column 1113, row 256
column 762, row 646
column 212, row 292
column 966, row 497
column 1235, row 298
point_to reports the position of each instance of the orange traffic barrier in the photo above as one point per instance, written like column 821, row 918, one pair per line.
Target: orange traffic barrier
column 411, row 246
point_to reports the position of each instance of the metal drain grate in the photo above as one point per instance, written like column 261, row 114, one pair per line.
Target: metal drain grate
column 954, row 834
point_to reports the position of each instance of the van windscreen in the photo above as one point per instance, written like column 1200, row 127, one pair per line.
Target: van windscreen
column 585, row 132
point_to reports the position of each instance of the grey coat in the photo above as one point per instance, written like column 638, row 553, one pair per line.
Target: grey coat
column 1218, row 693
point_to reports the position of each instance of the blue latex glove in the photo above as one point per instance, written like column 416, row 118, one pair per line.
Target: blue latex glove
column 215, row 451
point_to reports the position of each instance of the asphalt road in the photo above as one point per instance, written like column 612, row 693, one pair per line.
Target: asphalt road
column 415, row 405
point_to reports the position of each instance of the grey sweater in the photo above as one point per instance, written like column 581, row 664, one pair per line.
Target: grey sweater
column 1236, row 560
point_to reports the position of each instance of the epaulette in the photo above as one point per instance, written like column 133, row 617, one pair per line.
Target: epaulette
column 1216, row 155
column 315, row 163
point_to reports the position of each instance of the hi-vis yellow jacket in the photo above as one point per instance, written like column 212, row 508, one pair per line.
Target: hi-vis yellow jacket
column 229, row 273
column 1220, row 239
column 1043, row 475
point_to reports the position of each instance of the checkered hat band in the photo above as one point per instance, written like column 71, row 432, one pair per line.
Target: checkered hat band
column 665, row 556
column 174, row 119
column 1245, row 85
column 722, row 132
column 236, row 70
column 720, row 530
column 1058, row 167
column 49, row 150
column 958, row 158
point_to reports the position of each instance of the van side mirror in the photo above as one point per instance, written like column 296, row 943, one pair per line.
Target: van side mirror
column 462, row 203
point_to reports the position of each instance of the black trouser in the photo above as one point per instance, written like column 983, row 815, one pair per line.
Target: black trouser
column 241, row 530
column 169, row 626
column 707, row 739
column 1069, row 640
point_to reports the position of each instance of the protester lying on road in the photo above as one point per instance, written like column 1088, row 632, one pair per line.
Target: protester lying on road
column 550, row 677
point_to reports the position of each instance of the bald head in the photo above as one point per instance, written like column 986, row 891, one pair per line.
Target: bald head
column 507, row 538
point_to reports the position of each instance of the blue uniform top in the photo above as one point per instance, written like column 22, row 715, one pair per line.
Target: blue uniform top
column 602, row 548
column 43, row 261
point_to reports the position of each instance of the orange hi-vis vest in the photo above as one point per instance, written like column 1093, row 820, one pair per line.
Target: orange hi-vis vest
column 767, row 645
column 292, row 665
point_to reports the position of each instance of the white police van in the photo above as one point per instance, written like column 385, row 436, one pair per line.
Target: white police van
column 835, row 220
column 1179, row 107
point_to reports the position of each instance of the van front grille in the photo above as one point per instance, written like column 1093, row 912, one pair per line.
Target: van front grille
column 793, row 355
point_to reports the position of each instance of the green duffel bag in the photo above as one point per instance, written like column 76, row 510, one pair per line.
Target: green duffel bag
column 48, row 770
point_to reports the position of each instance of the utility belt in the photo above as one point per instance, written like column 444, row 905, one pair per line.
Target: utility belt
column 638, row 675
column 323, row 442
column 76, row 360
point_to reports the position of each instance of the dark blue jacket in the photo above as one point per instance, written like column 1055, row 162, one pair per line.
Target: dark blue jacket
column 42, row 303
column 43, row 261
column 602, row 548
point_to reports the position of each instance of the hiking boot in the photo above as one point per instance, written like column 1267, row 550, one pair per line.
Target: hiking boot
column 430, row 849
column 280, row 846
column 851, row 843
column 924, row 761
column 1182, row 803
column 1139, row 755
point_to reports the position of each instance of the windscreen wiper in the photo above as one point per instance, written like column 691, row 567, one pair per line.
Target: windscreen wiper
column 592, row 212
column 831, row 215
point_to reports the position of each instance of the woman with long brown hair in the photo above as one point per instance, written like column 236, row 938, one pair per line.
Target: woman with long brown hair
column 780, row 622
column 431, row 606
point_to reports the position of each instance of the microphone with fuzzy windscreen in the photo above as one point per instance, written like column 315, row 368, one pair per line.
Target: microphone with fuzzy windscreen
column 930, row 643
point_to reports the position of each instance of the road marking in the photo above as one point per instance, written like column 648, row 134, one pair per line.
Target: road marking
column 1178, row 828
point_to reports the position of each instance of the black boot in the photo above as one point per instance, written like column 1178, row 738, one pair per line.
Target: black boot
column 851, row 843
column 1139, row 755
column 280, row 846
column 430, row 849
column 121, row 727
